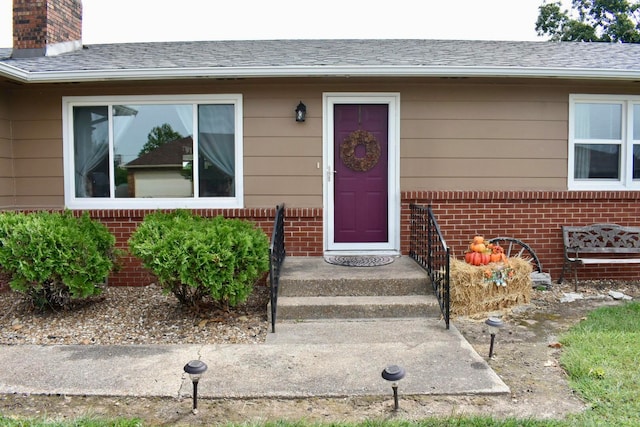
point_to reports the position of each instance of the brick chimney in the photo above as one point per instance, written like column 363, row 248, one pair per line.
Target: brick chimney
column 46, row 27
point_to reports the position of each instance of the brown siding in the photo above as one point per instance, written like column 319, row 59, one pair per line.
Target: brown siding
column 36, row 121
column 462, row 134
column 7, row 186
column 282, row 155
column 484, row 137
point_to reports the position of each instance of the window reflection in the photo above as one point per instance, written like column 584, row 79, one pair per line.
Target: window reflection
column 161, row 150
column 149, row 147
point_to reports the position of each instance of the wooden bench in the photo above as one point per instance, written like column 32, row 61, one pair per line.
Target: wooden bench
column 599, row 244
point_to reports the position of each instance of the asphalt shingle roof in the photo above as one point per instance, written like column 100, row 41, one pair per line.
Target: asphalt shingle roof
column 362, row 57
column 167, row 155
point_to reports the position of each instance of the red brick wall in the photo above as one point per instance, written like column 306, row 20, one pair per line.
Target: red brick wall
column 534, row 217
column 37, row 23
column 124, row 221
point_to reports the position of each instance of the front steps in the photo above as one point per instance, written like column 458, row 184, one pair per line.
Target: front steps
column 311, row 289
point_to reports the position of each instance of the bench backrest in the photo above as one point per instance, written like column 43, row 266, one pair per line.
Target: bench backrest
column 601, row 238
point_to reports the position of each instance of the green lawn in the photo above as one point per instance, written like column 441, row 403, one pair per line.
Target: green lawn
column 601, row 356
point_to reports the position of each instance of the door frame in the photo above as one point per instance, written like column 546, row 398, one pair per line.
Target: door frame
column 392, row 100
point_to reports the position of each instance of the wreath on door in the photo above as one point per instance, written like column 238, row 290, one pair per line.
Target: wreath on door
column 348, row 151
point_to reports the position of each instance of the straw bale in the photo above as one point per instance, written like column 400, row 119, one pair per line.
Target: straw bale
column 473, row 293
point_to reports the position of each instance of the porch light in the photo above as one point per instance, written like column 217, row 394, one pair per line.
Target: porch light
column 301, row 112
column 195, row 369
column 494, row 324
column 394, row 373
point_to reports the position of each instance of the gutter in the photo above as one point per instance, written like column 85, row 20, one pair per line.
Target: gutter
column 23, row 76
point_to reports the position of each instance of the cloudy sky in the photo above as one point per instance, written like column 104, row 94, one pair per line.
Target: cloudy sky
column 118, row 21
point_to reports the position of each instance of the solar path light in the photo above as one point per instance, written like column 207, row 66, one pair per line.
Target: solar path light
column 195, row 369
column 494, row 324
column 394, row 373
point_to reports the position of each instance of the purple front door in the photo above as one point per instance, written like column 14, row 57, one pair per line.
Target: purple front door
column 361, row 173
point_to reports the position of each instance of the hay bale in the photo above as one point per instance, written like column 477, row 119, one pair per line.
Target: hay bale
column 473, row 289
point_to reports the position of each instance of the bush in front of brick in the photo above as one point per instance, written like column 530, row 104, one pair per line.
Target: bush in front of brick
column 55, row 257
column 197, row 259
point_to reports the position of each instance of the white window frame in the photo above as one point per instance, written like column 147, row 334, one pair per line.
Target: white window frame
column 626, row 181
column 73, row 202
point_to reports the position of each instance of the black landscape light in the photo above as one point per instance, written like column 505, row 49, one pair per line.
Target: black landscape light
column 301, row 112
column 494, row 324
column 195, row 369
column 394, row 373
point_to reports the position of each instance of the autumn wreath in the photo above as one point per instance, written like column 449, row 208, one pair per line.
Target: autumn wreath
column 372, row 151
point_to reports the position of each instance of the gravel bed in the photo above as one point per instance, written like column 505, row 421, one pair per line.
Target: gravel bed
column 133, row 315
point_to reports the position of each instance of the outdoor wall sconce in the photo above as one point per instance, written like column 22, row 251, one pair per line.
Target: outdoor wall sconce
column 301, row 112
column 195, row 369
column 494, row 324
column 394, row 373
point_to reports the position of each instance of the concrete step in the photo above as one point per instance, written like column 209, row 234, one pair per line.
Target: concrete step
column 356, row 307
column 373, row 286
column 312, row 277
column 311, row 289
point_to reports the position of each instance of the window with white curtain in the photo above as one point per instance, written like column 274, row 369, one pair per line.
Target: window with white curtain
column 153, row 151
column 604, row 142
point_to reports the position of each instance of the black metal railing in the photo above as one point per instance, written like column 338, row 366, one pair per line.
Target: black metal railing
column 277, row 253
column 429, row 249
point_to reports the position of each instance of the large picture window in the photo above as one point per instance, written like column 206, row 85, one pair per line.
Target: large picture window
column 604, row 142
column 153, row 151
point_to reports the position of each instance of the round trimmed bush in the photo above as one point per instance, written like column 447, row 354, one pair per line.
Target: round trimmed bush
column 196, row 259
column 55, row 257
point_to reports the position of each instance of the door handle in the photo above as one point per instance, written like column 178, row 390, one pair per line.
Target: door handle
column 330, row 173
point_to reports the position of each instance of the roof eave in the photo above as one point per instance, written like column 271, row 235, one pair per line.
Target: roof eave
column 311, row 71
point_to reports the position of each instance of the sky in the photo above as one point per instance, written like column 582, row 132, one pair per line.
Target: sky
column 122, row 21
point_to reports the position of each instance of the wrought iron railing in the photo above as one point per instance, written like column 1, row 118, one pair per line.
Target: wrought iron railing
column 277, row 253
column 429, row 249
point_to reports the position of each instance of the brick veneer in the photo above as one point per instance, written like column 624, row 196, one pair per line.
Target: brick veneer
column 303, row 230
column 123, row 222
column 534, row 217
column 44, row 22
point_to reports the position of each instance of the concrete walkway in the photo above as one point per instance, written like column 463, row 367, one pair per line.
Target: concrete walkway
column 337, row 358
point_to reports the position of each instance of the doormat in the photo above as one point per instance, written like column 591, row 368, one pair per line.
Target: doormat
column 359, row 260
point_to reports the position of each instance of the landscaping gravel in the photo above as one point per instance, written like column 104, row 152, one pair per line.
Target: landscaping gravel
column 133, row 315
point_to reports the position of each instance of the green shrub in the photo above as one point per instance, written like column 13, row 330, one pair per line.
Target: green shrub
column 199, row 258
column 54, row 258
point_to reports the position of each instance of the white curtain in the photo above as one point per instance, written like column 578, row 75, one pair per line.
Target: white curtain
column 582, row 152
column 582, row 161
column 216, row 136
column 91, row 145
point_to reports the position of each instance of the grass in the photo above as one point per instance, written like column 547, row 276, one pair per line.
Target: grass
column 601, row 356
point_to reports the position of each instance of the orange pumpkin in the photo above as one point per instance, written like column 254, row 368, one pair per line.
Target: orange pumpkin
column 467, row 257
column 477, row 258
column 485, row 258
column 479, row 252
column 478, row 247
